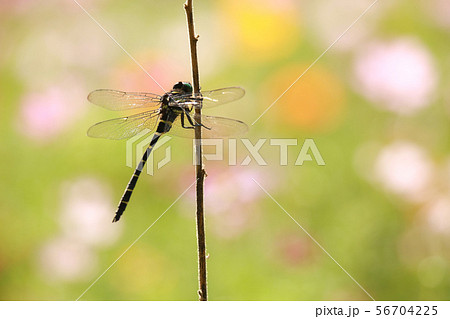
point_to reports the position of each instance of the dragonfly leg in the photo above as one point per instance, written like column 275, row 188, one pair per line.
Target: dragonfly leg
column 191, row 121
column 182, row 122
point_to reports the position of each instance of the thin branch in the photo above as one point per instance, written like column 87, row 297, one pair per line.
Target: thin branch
column 199, row 171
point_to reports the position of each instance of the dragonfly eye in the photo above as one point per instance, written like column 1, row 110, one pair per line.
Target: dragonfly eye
column 186, row 87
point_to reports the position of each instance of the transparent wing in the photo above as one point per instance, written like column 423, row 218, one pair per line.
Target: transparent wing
column 125, row 127
column 118, row 100
column 221, row 96
column 220, row 127
column 211, row 98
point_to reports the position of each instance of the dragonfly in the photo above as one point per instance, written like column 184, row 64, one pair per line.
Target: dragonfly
column 170, row 113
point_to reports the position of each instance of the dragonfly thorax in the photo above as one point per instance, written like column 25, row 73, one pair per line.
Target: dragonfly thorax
column 171, row 101
column 175, row 99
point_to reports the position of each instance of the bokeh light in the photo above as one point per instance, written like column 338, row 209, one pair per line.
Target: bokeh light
column 404, row 168
column 45, row 115
column 328, row 19
column 438, row 215
column 66, row 260
column 85, row 215
column 261, row 30
column 230, row 196
column 398, row 75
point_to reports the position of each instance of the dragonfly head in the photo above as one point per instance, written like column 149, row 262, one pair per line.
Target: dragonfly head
column 183, row 88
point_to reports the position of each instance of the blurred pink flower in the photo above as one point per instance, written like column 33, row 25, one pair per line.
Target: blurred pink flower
column 31, row 6
column 87, row 213
column 405, row 169
column 64, row 259
column 440, row 11
column 399, row 75
column 294, row 249
column 230, row 196
column 17, row 5
column 438, row 215
column 46, row 114
column 131, row 77
column 226, row 188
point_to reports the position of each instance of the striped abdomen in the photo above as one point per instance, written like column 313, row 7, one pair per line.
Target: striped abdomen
column 164, row 125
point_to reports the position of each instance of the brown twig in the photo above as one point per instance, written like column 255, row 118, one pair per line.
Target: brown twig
column 199, row 171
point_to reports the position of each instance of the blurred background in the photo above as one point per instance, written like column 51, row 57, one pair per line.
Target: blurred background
column 377, row 106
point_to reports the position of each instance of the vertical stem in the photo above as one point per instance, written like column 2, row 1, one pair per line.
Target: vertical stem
column 199, row 171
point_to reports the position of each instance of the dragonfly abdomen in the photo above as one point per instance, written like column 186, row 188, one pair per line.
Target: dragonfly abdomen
column 166, row 121
column 132, row 183
column 164, row 125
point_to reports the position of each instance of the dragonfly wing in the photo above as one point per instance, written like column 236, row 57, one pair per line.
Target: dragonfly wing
column 118, row 100
column 125, row 127
column 219, row 127
column 221, row 96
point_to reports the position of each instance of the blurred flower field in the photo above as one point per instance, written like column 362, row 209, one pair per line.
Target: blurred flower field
column 377, row 105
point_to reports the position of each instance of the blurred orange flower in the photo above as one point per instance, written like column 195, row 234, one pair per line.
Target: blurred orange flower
column 315, row 102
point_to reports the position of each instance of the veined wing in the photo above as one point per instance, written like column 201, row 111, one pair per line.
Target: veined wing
column 210, row 98
column 125, row 127
column 221, row 96
column 220, row 127
column 214, row 97
column 118, row 100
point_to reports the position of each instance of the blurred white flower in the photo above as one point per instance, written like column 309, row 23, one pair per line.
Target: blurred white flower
column 87, row 213
column 76, row 48
column 405, row 169
column 67, row 260
column 399, row 75
column 328, row 19
column 438, row 215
